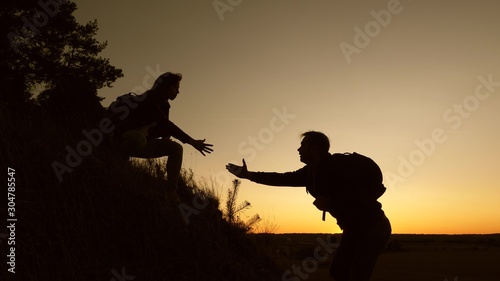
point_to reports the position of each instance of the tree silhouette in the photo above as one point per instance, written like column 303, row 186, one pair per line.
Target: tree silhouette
column 49, row 56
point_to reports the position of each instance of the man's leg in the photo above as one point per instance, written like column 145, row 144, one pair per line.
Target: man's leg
column 343, row 257
column 369, row 247
column 358, row 253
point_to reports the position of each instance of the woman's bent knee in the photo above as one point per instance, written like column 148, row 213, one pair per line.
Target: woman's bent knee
column 132, row 142
column 177, row 148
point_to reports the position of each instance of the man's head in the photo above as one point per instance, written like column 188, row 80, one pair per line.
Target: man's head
column 313, row 147
column 167, row 85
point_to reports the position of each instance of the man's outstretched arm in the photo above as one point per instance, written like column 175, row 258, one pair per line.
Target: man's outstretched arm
column 295, row 178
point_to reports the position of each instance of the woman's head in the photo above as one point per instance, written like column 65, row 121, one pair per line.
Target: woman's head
column 167, row 85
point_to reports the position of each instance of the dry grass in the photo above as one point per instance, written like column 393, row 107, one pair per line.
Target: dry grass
column 109, row 215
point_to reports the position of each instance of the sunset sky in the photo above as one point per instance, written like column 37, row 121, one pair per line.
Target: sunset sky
column 415, row 85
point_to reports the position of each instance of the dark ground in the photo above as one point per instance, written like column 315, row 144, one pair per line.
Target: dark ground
column 408, row 257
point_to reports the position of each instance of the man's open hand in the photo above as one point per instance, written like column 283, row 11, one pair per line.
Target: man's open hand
column 239, row 171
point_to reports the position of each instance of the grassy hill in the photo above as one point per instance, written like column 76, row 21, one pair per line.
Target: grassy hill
column 110, row 219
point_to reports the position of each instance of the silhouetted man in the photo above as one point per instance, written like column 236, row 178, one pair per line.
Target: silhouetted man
column 366, row 229
column 146, row 130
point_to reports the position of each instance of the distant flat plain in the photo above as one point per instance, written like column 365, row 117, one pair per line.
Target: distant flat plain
column 409, row 257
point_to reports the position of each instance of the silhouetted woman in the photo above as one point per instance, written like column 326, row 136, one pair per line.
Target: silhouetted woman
column 146, row 131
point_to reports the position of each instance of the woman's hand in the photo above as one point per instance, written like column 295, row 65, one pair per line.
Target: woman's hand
column 201, row 146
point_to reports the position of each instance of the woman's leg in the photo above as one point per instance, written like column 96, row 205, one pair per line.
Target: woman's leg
column 166, row 147
column 134, row 143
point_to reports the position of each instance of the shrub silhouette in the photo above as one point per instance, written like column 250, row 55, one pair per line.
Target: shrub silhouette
column 232, row 209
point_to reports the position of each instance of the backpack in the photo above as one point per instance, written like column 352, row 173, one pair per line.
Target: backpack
column 120, row 109
column 362, row 172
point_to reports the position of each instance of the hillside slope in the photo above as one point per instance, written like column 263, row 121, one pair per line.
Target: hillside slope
column 110, row 219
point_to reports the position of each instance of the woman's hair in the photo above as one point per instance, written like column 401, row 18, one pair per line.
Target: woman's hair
column 318, row 140
column 164, row 81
